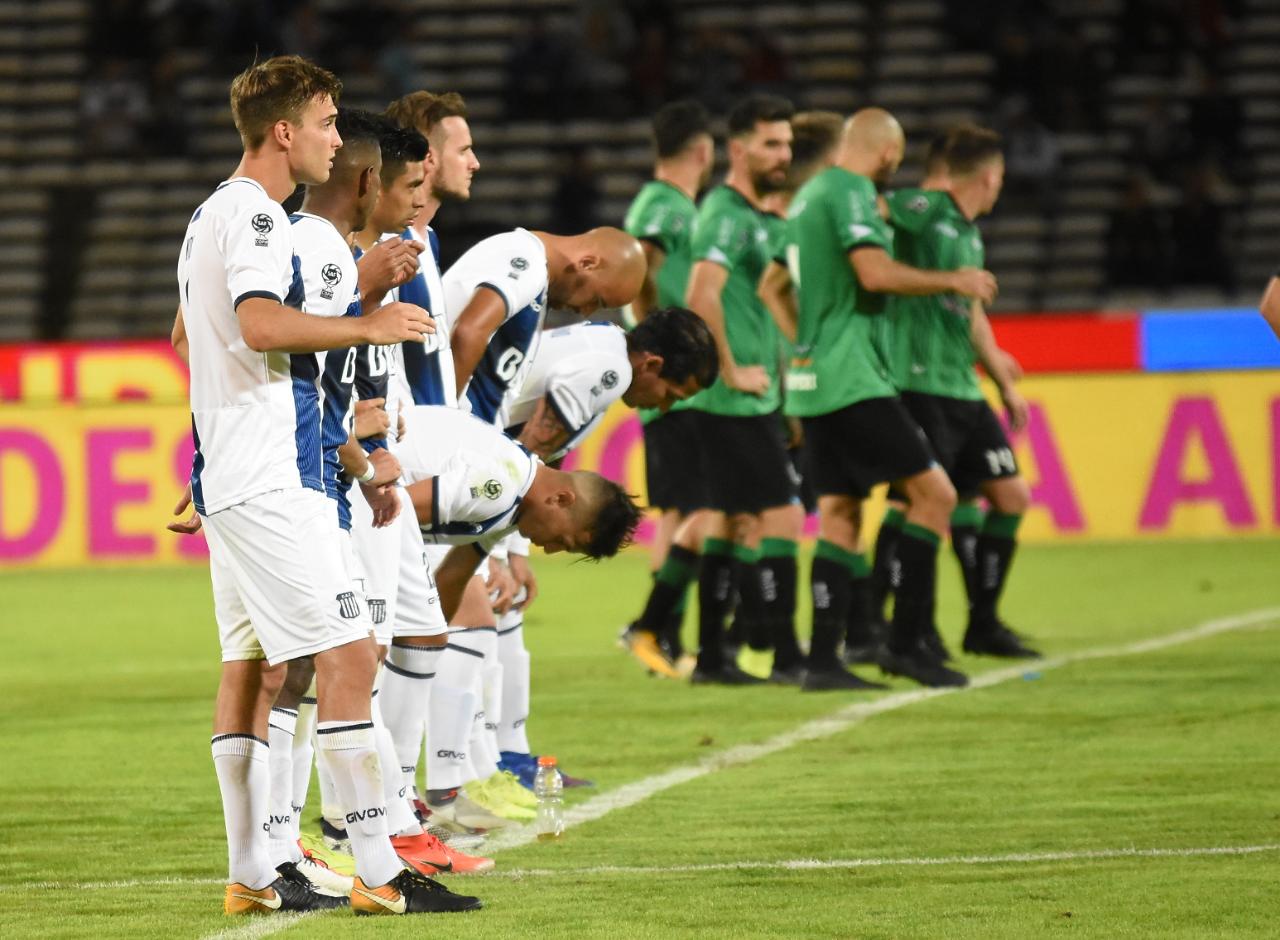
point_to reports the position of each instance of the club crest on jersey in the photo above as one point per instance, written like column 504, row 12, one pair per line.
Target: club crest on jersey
column 490, row 489
column 331, row 274
column 348, row 606
column 609, row 379
column 378, row 609
column 917, row 203
column 263, row 225
column 520, row 264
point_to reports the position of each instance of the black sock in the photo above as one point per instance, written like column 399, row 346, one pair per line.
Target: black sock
column 675, row 623
column 965, row 523
column 715, row 596
column 778, row 580
column 996, row 546
column 669, row 586
column 858, row 623
column 882, row 572
column 917, row 559
column 751, row 613
column 830, row 583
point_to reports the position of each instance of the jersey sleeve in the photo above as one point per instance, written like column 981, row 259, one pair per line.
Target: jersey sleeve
column 582, row 387
column 258, row 248
column 719, row 239
column 657, row 223
column 908, row 210
column 857, row 220
column 513, row 270
column 324, row 272
column 475, row 489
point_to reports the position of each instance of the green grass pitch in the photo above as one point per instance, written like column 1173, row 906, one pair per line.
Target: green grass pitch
column 1023, row 809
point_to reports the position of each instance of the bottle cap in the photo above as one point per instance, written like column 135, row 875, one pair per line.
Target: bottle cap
column 546, row 760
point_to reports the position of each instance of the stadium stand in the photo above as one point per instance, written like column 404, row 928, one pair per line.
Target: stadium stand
column 108, row 145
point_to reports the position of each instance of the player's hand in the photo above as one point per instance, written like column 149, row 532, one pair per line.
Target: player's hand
column 386, row 469
column 522, row 573
column 401, row 427
column 372, row 419
column 974, row 282
column 754, row 380
column 384, row 501
column 191, row 524
column 397, row 323
column 502, row 587
column 386, row 265
column 1016, row 407
column 1011, row 365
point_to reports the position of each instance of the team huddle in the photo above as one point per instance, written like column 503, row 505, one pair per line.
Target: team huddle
column 378, row 444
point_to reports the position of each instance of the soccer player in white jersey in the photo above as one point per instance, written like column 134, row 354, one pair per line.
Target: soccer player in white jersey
column 276, row 563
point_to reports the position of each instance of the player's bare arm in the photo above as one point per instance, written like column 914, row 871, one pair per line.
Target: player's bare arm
column 386, row 265
column 371, row 418
column 878, row 272
column 269, row 326
column 1270, row 305
column 452, row 576
column 706, row 283
column 647, row 299
column 774, row 291
column 996, row 362
column 178, row 337
column 475, row 325
column 544, row 433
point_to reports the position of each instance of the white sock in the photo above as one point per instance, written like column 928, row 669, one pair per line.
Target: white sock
column 451, row 713
column 405, row 698
column 281, row 841
column 240, row 760
column 303, row 757
column 400, row 817
column 512, row 731
column 330, row 800
column 348, row 748
column 484, row 748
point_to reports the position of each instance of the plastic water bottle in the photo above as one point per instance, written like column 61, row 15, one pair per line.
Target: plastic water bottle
column 548, row 787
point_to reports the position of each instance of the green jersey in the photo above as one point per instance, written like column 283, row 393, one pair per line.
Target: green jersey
column 932, row 346
column 732, row 233
column 663, row 214
column 777, row 228
column 841, row 355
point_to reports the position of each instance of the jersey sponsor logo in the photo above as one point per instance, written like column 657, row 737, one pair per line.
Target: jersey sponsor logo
column 800, row 382
column 947, row 230
column 520, row 264
column 263, row 225
column 609, row 379
column 490, row 489
column 451, row 755
column 857, row 230
column 348, row 606
column 359, row 815
column 917, row 203
column 331, row 274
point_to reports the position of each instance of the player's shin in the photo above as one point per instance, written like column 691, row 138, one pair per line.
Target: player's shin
column 395, row 789
column 405, row 700
column 882, row 585
column 715, row 596
column 917, row 556
column 779, row 580
column 996, row 546
column 513, row 724
column 350, row 750
column 966, row 522
column 831, row 588
column 244, row 780
column 282, row 840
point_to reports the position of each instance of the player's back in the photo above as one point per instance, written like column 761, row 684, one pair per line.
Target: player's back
column 255, row 428
column 514, row 265
column 423, row 372
column 584, row 369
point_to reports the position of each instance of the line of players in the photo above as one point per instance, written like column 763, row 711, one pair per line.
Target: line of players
column 327, row 349
column 851, row 321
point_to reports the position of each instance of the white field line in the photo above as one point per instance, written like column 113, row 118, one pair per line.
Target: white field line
column 841, row 720
column 257, row 927
column 821, row 864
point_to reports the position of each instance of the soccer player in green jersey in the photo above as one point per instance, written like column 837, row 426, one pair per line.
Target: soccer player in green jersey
column 936, row 342
column 857, row 430
column 661, row 217
column 744, row 460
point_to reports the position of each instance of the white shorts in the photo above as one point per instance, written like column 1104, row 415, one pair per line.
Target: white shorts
column 377, row 553
column 418, row 608
column 281, row 585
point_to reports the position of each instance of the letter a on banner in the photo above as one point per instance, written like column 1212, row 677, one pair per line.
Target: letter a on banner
column 1196, row 419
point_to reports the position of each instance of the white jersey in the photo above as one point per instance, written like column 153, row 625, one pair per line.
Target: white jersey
column 514, row 264
column 330, row 289
column 255, row 417
column 582, row 369
column 480, row 474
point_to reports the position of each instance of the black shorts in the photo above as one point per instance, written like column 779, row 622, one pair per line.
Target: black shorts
column 967, row 438
column 863, row 444
column 744, row 462
column 672, row 466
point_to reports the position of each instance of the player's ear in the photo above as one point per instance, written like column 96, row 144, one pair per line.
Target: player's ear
column 282, row 133
column 588, row 262
column 652, row 363
column 367, row 178
column 564, row 498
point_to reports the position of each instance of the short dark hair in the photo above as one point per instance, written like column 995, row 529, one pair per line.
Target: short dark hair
column 616, row 519
column 276, row 90
column 814, row 135
column 422, row 111
column 969, row 146
column 744, row 115
column 677, row 124
column 935, row 155
column 400, row 145
column 683, row 340
column 357, row 126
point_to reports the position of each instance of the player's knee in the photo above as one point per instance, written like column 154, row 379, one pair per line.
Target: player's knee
column 1012, row 496
column 297, row 678
column 271, row 679
column 744, row 528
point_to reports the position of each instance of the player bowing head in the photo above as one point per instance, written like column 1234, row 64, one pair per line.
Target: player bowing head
column 673, row 356
column 603, row 267
column 288, row 105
